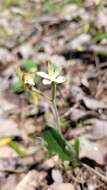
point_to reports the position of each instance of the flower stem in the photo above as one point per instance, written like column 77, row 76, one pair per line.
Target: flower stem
column 54, row 107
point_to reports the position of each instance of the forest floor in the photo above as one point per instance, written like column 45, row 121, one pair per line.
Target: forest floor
column 72, row 35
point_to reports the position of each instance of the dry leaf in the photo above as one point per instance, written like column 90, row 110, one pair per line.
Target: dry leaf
column 98, row 129
column 10, row 183
column 31, row 181
column 26, row 51
column 61, row 186
column 80, row 41
column 57, row 176
column 5, row 56
column 94, row 104
column 8, row 128
column 95, row 150
column 7, row 152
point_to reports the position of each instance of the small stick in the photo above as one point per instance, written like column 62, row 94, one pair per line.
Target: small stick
column 14, row 171
column 102, row 177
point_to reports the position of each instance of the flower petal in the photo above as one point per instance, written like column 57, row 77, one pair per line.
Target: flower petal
column 46, row 82
column 57, row 73
column 60, row 79
column 43, row 75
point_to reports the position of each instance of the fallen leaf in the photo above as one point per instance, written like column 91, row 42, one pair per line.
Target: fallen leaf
column 7, row 152
column 101, row 18
column 31, row 181
column 94, row 150
column 98, row 129
column 61, row 186
column 26, row 51
column 5, row 56
column 5, row 105
column 10, row 182
column 8, row 128
column 94, row 104
column 57, row 176
column 80, row 41
column 77, row 114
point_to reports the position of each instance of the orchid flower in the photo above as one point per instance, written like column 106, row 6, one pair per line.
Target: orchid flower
column 53, row 75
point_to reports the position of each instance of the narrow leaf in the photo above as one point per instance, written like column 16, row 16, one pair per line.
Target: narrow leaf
column 55, row 143
column 20, row 150
column 77, row 146
column 100, row 37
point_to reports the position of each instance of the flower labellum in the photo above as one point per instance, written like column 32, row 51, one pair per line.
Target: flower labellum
column 28, row 79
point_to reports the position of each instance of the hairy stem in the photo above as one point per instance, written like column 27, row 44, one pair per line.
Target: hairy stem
column 54, row 107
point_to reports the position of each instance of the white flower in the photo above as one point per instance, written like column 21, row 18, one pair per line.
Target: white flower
column 52, row 75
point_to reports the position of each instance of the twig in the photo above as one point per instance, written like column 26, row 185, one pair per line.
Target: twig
column 102, row 177
column 13, row 171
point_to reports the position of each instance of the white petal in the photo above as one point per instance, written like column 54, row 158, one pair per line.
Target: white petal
column 43, row 75
column 57, row 73
column 46, row 82
column 60, row 79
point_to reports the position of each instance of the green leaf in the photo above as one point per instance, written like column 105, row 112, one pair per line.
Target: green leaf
column 56, row 144
column 19, row 149
column 8, row 2
column 77, row 146
column 17, row 86
column 78, row 2
column 29, row 66
column 100, row 37
column 48, row 7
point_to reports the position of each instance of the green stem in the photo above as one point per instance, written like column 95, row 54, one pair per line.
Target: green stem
column 54, row 107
